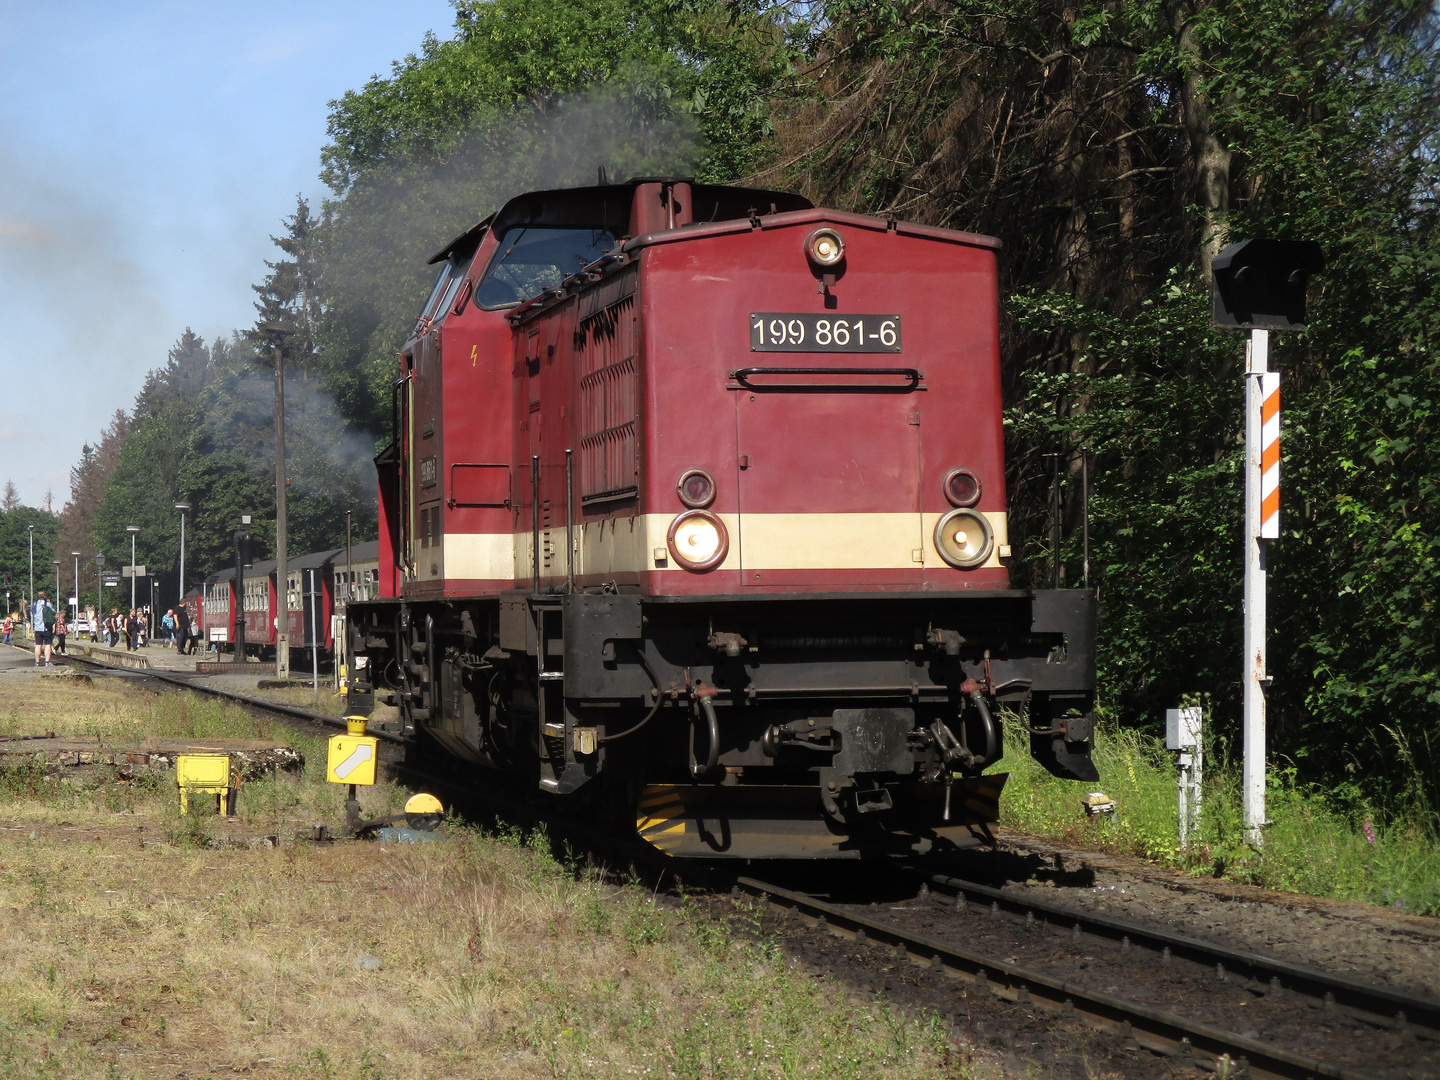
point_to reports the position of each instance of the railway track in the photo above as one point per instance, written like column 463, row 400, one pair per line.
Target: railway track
column 1378, row 1006
column 1210, row 1046
column 250, row 700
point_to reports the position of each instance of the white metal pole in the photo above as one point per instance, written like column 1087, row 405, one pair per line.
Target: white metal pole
column 1182, row 781
column 181, row 590
column 1197, row 773
column 1253, row 686
column 132, row 571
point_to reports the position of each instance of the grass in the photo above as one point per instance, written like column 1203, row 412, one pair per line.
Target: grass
column 1315, row 844
column 126, row 957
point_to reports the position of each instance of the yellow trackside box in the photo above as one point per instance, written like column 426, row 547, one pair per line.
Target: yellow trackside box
column 352, row 759
column 203, row 774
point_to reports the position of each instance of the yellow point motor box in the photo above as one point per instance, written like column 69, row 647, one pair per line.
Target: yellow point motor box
column 204, row 774
column 352, row 759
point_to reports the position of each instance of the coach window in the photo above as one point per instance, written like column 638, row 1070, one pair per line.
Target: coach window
column 529, row 261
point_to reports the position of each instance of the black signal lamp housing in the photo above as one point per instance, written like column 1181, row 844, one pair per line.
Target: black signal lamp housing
column 1260, row 284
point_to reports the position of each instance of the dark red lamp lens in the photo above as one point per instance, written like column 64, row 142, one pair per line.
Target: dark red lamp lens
column 962, row 488
column 696, row 489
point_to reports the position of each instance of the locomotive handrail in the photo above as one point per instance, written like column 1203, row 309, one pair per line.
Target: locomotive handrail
column 913, row 376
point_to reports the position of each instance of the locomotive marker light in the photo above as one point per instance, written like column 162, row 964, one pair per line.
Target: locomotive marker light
column 1259, row 286
column 825, row 247
column 282, row 580
column 696, row 489
column 962, row 487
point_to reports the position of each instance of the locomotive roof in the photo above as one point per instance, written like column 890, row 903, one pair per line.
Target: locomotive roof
column 607, row 206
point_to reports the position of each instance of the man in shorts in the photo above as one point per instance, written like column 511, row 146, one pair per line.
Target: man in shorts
column 42, row 624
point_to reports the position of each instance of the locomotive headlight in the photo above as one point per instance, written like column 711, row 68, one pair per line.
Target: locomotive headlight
column 964, row 539
column 824, row 247
column 962, row 487
column 696, row 488
column 698, row 540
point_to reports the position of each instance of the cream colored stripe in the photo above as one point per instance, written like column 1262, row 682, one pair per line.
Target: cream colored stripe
column 483, row 556
column 830, row 541
column 896, row 541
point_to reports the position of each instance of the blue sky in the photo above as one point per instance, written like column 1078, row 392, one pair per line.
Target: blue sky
column 148, row 151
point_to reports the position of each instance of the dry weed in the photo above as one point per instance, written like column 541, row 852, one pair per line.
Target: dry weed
column 124, row 955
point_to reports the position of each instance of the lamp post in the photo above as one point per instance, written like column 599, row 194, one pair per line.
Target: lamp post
column 182, row 507
column 76, row 616
column 132, row 530
column 99, row 591
column 280, row 330
column 58, row 592
column 242, row 552
column 31, row 598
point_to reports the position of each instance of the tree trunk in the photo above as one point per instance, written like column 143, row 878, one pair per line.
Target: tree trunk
column 1210, row 157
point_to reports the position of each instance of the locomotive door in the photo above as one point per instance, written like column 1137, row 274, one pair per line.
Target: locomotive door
column 829, row 481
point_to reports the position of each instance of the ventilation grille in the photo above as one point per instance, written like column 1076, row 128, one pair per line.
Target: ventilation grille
column 609, row 403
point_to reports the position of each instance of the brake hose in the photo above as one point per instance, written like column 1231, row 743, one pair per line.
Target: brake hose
column 712, row 753
column 991, row 736
column 644, row 663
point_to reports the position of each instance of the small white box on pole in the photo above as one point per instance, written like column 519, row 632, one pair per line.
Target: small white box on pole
column 1182, row 728
column 1184, row 734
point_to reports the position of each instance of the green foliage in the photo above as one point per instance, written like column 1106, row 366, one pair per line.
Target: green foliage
column 15, row 534
column 1319, row 842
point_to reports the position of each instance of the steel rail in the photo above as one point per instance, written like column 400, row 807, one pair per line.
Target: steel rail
column 1380, row 1006
column 250, row 700
column 1155, row 1029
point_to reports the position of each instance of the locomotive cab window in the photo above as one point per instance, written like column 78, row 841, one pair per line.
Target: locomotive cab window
column 529, row 261
column 442, row 295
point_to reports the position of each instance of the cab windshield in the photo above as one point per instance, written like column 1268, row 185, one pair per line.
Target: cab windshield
column 529, row 261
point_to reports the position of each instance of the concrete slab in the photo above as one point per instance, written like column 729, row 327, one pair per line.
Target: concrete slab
column 253, row 757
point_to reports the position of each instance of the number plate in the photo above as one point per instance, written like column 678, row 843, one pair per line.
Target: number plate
column 781, row 331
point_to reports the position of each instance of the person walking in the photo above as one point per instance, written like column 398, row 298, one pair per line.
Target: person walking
column 168, row 628
column 127, row 627
column 42, row 623
column 60, row 631
column 183, row 629
column 6, row 628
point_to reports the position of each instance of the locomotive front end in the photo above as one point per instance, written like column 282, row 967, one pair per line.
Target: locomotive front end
column 754, row 520
column 789, row 478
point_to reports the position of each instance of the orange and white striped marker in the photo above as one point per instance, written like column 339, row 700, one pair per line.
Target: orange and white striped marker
column 1270, row 455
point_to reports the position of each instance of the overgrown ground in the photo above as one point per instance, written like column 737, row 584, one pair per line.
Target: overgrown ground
column 476, row 956
column 1316, row 844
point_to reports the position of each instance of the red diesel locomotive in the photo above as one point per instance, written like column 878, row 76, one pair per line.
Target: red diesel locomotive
column 695, row 515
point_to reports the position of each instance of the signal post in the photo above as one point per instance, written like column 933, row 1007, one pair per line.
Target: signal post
column 1259, row 285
